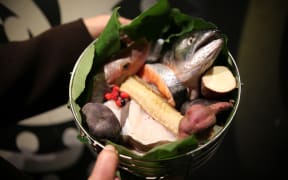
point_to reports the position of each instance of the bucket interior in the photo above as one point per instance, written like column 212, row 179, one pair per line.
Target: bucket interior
column 193, row 158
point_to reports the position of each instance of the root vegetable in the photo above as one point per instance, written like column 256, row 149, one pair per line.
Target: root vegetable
column 101, row 121
column 217, row 82
column 156, row 106
column 199, row 117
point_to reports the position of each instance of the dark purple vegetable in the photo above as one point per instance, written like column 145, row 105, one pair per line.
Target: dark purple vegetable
column 101, row 121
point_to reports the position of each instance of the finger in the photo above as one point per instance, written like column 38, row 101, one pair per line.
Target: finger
column 124, row 21
column 95, row 25
column 106, row 164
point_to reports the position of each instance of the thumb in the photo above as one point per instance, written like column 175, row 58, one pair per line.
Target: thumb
column 106, row 164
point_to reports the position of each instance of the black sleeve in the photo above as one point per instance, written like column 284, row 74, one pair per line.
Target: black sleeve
column 9, row 171
column 34, row 74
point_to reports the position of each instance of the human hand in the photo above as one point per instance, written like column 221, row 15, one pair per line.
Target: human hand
column 106, row 165
column 95, row 25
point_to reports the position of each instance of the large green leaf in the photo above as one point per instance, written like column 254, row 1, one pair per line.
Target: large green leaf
column 109, row 40
column 150, row 24
column 162, row 152
column 173, row 149
column 182, row 23
column 94, row 57
column 82, row 70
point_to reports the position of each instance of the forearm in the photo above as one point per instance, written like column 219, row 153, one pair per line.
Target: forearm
column 35, row 73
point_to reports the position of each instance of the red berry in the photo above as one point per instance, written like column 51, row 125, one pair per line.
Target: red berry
column 115, row 89
column 118, row 102
column 108, row 96
column 124, row 95
column 115, row 95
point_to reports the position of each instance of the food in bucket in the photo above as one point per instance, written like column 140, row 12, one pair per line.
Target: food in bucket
column 155, row 93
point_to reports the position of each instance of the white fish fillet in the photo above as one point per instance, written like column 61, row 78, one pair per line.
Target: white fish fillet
column 143, row 128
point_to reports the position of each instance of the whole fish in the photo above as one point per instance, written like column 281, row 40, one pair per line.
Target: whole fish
column 127, row 62
column 192, row 54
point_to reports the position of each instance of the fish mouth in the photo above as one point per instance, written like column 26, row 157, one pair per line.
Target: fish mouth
column 205, row 51
column 207, row 48
column 209, row 36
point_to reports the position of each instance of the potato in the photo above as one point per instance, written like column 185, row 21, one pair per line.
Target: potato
column 217, row 82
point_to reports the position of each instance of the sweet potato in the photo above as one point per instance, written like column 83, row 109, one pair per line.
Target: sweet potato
column 217, row 82
column 199, row 117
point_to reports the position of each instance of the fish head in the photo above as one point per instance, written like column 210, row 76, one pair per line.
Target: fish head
column 198, row 48
column 195, row 52
column 117, row 70
column 126, row 63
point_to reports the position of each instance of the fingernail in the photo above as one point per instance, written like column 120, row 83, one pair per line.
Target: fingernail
column 110, row 148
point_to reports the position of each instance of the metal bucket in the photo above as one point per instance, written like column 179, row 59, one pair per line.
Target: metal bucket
column 178, row 165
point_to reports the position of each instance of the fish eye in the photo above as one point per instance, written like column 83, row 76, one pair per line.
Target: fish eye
column 190, row 40
column 126, row 66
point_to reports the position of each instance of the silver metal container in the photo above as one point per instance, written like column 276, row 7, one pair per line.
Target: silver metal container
column 155, row 169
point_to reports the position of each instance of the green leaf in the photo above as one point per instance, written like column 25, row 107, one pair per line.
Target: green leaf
column 80, row 73
column 161, row 152
column 82, row 139
column 103, row 47
column 151, row 23
column 172, row 149
column 184, row 23
column 109, row 40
